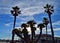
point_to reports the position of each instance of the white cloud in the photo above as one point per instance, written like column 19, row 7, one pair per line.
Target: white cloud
column 49, row 30
column 56, row 23
column 32, row 10
column 56, row 29
column 27, row 18
column 8, row 24
column 57, row 36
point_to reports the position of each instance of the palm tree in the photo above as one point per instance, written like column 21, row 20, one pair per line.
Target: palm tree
column 45, row 21
column 25, row 33
column 15, row 13
column 32, row 23
column 17, row 32
column 49, row 10
column 40, row 26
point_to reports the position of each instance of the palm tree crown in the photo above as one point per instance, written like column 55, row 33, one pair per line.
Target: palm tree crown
column 49, row 9
column 32, row 22
column 24, row 25
column 45, row 21
column 15, row 11
column 41, row 25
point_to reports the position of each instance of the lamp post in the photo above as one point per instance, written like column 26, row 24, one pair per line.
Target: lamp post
column 49, row 10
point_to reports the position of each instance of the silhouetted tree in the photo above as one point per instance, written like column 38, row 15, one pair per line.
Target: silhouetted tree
column 15, row 13
column 32, row 23
column 25, row 32
column 45, row 21
column 49, row 10
column 40, row 26
column 18, row 33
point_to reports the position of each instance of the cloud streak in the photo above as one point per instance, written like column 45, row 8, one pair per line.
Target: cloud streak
column 28, row 7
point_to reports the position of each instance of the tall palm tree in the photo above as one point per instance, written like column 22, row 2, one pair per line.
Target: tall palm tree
column 15, row 13
column 25, row 32
column 45, row 21
column 49, row 10
column 40, row 26
column 32, row 23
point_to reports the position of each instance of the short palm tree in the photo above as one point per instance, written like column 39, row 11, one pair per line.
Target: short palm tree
column 45, row 21
column 32, row 23
column 25, row 32
column 17, row 32
column 40, row 26
column 49, row 10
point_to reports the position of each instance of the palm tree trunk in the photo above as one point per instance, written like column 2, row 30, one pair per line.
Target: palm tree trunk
column 51, row 28
column 13, row 37
column 32, row 38
column 39, row 36
column 13, row 28
column 46, row 32
column 14, row 22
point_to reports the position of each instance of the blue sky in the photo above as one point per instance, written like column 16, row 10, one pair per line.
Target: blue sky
column 30, row 10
